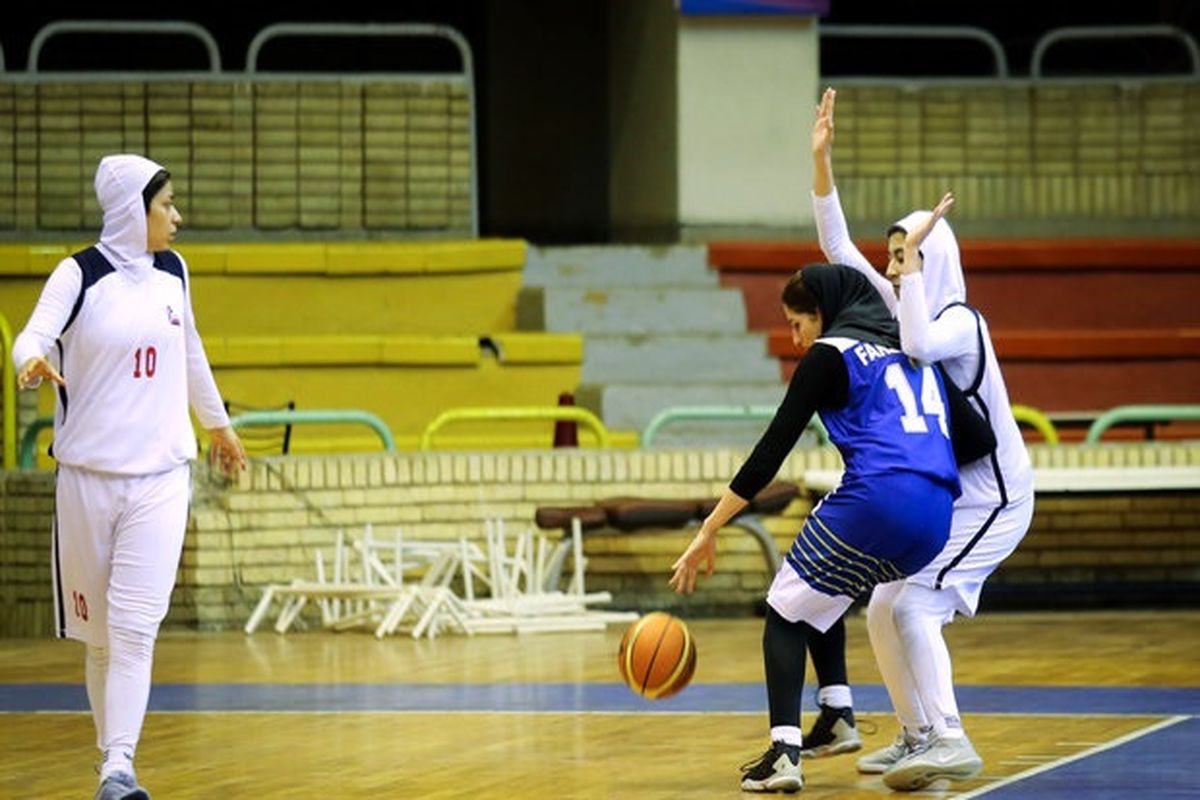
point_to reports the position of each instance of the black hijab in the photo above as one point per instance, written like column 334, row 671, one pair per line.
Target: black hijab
column 850, row 305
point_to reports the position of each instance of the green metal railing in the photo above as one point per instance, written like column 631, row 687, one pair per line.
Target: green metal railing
column 318, row 417
column 1147, row 414
column 514, row 413
column 28, row 456
column 717, row 414
column 9, row 377
column 1036, row 419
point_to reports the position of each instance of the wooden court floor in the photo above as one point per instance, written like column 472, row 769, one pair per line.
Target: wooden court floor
column 1057, row 704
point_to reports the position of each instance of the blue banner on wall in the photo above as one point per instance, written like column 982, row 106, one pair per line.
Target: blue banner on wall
column 711, row 7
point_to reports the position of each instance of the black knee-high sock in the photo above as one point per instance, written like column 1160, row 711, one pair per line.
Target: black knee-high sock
column 783, row 655
column 829, row 654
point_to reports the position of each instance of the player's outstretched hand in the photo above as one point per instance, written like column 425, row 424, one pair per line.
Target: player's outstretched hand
column 701, row 552
column 226, row 451
column 914, row 238
column 34, row 370
column 822, row 132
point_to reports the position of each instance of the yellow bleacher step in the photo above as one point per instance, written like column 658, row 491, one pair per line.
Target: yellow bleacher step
column 303, row 258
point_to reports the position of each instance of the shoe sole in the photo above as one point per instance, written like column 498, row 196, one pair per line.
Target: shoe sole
column 785, row 785
column 827, row 750
column 909, row 779
column 873, row 769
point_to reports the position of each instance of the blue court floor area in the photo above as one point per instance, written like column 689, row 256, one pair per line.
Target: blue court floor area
column 586, row 698
column 1151, row 763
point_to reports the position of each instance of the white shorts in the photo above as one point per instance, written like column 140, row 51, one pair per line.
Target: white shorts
column 116, row 547
column 975, row 548
column 796, row 601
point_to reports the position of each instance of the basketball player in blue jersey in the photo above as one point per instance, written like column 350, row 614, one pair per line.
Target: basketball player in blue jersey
column 925, row 289
column 117, row 318
column 889, row 517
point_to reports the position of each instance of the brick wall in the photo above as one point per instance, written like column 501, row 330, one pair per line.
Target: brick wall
column 268, row 525
column 351, row 155
column 1021, row 151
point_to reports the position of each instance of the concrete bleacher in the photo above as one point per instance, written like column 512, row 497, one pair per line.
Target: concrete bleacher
column 658, row 332
column 1079, row 324
column 402, row 330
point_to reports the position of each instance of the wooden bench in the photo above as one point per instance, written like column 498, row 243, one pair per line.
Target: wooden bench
column 633, row 514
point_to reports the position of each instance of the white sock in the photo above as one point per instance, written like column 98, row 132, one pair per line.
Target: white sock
column 788, row 734
column 116, row 760
column 835, row 696
column 96, row 673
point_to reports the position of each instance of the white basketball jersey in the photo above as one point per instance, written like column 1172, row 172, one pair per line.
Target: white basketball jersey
column 124, row 349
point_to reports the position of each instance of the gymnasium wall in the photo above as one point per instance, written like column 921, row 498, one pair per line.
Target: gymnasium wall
column 268, row 525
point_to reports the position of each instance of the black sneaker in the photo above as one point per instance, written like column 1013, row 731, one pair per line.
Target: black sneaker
column 833, row 733
column 778, row 770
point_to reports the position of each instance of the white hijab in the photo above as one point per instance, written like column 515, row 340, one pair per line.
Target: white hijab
column 120, row 180
column 942, row 273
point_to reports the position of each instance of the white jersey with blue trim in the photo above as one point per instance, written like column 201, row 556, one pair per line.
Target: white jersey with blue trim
column 895, row 419
column 125, row 342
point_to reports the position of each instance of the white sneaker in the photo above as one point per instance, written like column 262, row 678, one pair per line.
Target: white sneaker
column 878, row 761
column 940, row 757
column 778, row 770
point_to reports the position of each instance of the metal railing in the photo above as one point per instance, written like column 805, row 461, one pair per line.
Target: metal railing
column 517, row 413
column 447, row 203
column 318, row 417
column 1037, row 420
column 1142, row 414
column 122, row 27
column 285, row 29
column 718, row 414
column 27, row 458
column 999, row 59
column 1112, row 32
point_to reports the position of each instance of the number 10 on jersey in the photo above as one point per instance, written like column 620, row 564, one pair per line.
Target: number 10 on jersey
column 145, row 362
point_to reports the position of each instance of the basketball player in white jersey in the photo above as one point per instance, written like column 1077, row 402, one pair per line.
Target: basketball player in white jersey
column 114, row 331
column 926, row 291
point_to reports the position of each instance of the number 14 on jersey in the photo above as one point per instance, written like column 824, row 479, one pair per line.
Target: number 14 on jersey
column 913, row 421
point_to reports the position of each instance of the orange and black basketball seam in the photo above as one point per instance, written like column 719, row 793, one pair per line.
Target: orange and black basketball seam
column 687, row 658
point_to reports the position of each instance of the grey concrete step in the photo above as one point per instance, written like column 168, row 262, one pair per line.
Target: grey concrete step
column 686, row 358
column 631, row 406
column 618, row 266
column 631, row 311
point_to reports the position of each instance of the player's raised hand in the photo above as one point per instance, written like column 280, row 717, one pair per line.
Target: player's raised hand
column 34, row 370
column 822, row 132
column 914, row 238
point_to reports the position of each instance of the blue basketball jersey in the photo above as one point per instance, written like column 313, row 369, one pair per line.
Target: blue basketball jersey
column 896, row 417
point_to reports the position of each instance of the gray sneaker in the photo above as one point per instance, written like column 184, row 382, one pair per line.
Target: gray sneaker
column 878, row 761
column 940, row 757
column 120, row 786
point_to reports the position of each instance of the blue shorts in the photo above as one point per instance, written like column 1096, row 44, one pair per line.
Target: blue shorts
column 873, row 531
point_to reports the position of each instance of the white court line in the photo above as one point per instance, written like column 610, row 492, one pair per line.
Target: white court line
column 1029, row 773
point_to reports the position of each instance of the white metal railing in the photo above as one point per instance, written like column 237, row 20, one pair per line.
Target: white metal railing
column 285, row 29
column 1000, row 61
column 124, row 26
column 1112, row 32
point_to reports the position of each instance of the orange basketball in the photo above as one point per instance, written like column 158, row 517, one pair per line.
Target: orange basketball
column 657, row 656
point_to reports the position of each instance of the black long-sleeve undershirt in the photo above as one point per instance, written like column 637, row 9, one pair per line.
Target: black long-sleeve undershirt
column 819, row 382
